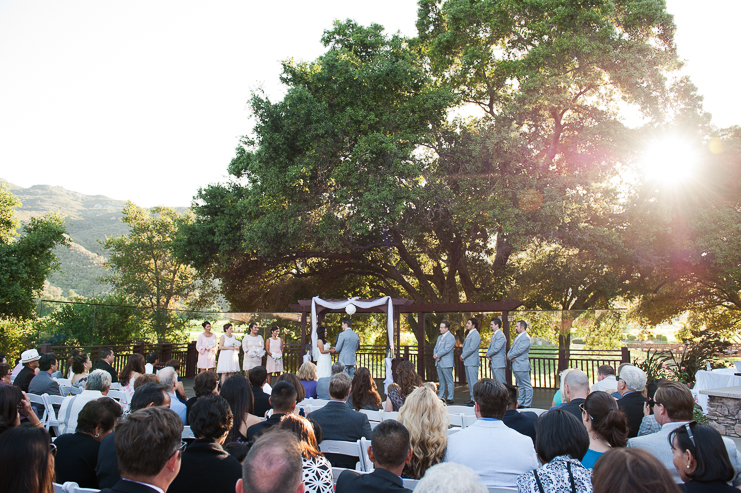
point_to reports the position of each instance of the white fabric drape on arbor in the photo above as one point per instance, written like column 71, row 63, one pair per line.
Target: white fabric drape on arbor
column 340, row 305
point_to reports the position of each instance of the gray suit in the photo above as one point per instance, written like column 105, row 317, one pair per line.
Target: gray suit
column 658, row 444
column 322, row 388
column 444, row 351
column 498, row 356
column 43, row 384
column 471, row 359
column 520, row 353
column 347, row 344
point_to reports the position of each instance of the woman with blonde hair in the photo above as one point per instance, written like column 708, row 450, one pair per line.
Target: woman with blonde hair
column 426, row 418
column 307, row 376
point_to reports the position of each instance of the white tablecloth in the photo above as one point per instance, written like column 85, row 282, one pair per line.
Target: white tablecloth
column 714, row 379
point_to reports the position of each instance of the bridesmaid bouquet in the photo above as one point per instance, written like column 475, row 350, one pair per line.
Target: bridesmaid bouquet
column 211, row 344
column 277, row 355
column 256, row 352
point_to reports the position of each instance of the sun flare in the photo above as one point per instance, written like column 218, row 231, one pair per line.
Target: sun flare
column 669, row 160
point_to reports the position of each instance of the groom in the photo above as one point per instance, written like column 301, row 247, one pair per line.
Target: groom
column 348, row 343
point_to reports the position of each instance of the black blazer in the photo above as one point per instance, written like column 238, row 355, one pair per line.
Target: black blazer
column 339, row 422
column 262, row 402
column 129, row 487
column 573, row 408
column 76, row 459
column 258, row 429
column 206, row 467
column 102, row 365
column 107, row 470
column 714, row 487
column 379, row 481
column 632, row 406
column 24, row 378
column 521, row 422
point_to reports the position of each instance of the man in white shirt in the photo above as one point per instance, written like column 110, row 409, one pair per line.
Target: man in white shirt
column 496, row 452
column 98, row 384
column 606, row 380
column 169, row 378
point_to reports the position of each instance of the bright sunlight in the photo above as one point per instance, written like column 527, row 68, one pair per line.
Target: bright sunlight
column 669, row 160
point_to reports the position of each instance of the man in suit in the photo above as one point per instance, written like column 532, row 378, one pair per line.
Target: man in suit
column 105, row 362
column 339, row 422
column 521, row 422
column 30, row 363
column 169, row 378
column 389, row 452
column 347, row 345
column 43, row 383
column 673, row 406
column 575, row 391
column 630, row 385
column 149, row 451
column 258, row 376
column 443, row 355
column 273, row 465
column 283, row 400
column 148, row 395
column 470, row 355
column 476, row 446
column 519, row 355
column 322, row 385
column 497, row 352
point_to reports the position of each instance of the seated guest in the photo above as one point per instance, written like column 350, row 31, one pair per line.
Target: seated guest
column 389, row 452
column 145, row 379
column 316, row 469
column 273, row 465
column 77, row 453
column 97, row 385
column 364, row 393
column 701, row 459
column 561, row 442
column 558, row 399
column 521, row 422
column 307, row 376
column 426, row 418
column 300, row 391
column 149, row 449
column 605, row 424
column 133, row 369
column 26, row 461
column 211, row 420
column 673, row 405
column 575, row 390
column 43, row 383
column 648, row 423
column 179, row 389
column 205, row 383
column 238, row 393
column 106, row 358
column 5, row 374
column 148, row 395
column 30, row 363
column 408, row 380
column 169, row 379
column 11, row 400
column 81, row 366
column 606, row 380
column 450, row 477
column 258, row 377
column 630, row 385
column 283, row 400
column 237, row 450
column 338, row 421
column 497, row 466
column 322, row 385
column 152, row 360
column 631, row 470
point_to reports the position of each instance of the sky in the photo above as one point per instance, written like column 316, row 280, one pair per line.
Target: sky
column 146, row 100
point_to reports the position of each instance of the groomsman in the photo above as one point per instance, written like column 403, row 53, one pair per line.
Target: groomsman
column 444, row 361
column 497, row 352
column 470, row 355
column 519, row 355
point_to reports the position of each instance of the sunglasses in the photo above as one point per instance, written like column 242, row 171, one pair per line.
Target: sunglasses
column 583, row 409
column 53, row 449
column 689, row 432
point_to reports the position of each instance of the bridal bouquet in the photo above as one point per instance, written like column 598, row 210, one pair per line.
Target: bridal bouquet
column 277, row 355
column 256, row 352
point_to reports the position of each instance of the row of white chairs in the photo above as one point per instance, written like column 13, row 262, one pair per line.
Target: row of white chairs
column 71, row 487
column 49, row 416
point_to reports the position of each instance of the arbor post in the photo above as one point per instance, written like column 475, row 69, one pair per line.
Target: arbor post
column 421, row 345
column 506, row 330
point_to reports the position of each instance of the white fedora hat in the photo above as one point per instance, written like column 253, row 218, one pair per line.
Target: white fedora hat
column 30, row 355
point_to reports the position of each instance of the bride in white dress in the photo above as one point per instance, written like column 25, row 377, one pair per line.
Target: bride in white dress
column 322, row 356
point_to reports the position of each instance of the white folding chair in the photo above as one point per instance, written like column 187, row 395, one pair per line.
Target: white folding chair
column 461, row 410
column 71, row 487
column 51, row 416
column 63, row 381
column 40, row 405
column 500, row 489
column 119, row 396
column 116, row 386
column 468, row 420
column 373, row 415
column 532, row 410
column 368, row 466
column 187, row 433
column 12, row 378
column 336, row 471
column 351, row 449
column 69, row 390
column 410, row 483
column 391, row 415
column 58, row 488
column 456, row 420
column 318, row 403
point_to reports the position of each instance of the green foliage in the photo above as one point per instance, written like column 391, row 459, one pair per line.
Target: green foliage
column 25, row 262
column 700, row 347
column 144, row 268
column 16, row 335
column 653, row 364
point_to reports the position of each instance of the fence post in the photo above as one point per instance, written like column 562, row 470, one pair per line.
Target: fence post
column 138, row 348
column 165, row 353
column 191, row 360
column 562, row 365
column 625, row 356
column 45, row 348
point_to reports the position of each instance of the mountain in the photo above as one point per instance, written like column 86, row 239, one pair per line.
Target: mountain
column 89, row 220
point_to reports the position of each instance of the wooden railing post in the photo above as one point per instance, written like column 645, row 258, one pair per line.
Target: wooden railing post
column 191, row 360
column 625, row 356
column 165, row 353
column 45, row 348
column 139, row 348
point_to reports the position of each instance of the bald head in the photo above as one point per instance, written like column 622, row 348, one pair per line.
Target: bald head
column 576, row 385
column 273, row 464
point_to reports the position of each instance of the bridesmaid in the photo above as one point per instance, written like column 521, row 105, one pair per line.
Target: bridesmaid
column 274, row 345
column 206, row 345
column 253, row 345
column 229, row 355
